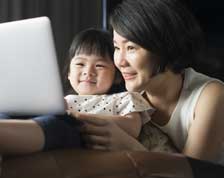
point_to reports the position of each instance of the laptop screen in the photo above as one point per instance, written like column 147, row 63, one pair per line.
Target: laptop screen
column 29, row 72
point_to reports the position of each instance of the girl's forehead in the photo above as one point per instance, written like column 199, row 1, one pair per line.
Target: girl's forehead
column 92, row 57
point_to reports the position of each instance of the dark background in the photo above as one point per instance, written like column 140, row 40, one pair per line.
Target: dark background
column 210, row 15
column 70, row 16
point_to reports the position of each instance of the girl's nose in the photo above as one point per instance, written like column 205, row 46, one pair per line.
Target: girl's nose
column 89, row 71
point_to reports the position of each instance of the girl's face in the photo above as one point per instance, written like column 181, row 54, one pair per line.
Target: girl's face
column 134, row 62
column 91, row 74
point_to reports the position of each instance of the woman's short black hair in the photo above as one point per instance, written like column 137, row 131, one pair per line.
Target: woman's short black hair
column 164, row 27
column 90, row 41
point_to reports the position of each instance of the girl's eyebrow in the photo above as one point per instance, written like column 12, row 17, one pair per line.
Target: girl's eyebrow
column 102, row 59
column 79, row 57
column 98, row 59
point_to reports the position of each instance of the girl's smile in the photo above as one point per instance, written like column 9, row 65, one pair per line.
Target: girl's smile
column 91, row 74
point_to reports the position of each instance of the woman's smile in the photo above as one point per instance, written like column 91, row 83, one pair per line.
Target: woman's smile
column 129, row 76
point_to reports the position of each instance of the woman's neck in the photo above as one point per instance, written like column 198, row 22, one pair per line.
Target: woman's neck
column 163, row 93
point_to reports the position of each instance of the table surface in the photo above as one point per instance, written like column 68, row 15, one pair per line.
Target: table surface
column 73, row 163
column 79, row 164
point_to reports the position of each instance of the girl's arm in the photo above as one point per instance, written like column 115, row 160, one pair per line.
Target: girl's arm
column 20, row 136
column 41, row 133
column 206, row 134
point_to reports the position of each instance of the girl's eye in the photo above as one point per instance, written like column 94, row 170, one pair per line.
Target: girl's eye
column 79, row 64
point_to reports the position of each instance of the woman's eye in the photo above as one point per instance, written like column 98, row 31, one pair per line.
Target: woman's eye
column 131, row 48
column 116, row 48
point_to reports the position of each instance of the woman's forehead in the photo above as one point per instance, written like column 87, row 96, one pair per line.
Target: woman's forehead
column 118, row 38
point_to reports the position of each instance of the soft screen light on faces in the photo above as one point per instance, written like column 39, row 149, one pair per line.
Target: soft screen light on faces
column 134, row 62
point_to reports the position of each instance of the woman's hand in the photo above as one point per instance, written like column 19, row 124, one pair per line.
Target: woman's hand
column 101, row 132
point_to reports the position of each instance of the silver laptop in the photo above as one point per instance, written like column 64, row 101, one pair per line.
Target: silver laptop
column 29, row 74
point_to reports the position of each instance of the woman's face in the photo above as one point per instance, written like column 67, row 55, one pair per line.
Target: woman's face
column 91, row 74
column 134, row 62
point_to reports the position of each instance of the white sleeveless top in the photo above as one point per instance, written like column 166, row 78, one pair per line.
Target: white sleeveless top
column 181, row 118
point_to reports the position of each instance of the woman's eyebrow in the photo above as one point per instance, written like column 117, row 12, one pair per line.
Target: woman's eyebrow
column 123, row 41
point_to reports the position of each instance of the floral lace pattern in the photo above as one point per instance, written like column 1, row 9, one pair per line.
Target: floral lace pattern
column 155, row 140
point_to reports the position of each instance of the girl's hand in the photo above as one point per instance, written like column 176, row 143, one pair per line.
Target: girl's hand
column 101, row 132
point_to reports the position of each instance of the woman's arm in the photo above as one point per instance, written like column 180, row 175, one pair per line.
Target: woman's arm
column 131, row 123
column 20, row 136
column 206, row 133
column 103, row 133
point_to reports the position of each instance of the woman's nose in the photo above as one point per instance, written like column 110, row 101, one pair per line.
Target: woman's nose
column 120, row 59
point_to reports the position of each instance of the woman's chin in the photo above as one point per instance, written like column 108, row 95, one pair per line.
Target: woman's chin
column 133, row 88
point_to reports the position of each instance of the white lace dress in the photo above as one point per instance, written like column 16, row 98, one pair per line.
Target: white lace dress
column 114, row 104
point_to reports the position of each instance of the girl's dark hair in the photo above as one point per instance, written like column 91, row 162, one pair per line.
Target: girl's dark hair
column 164, row 27
column 90, row 41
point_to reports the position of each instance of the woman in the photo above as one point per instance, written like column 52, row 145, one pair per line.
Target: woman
column 156, row 42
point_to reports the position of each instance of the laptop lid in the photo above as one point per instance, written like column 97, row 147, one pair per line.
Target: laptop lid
column 29, row 74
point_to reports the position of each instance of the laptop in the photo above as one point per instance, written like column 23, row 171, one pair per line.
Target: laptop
column 30, row 82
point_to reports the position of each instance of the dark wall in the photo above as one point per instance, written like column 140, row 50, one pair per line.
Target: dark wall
column 210, row 15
